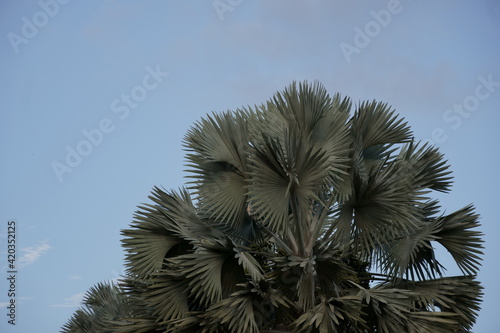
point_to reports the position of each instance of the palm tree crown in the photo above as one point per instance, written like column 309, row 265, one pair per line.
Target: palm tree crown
column 298, row 217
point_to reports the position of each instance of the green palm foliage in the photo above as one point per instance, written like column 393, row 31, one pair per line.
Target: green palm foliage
column 299, row 216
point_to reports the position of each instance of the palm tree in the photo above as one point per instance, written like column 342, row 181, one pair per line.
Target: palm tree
column 302, row 218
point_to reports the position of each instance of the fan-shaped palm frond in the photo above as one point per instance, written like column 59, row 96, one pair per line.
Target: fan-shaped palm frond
column 456, row 233
column 168, row 296
column 413, row 253
column 283, row 173
column 427, row 166
column 375, row 124
column 217, row 159
column 459, row 296
column 204, row 269
column 106, row 308
column 163, row 230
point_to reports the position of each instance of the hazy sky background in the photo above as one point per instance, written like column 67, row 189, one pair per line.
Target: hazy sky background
column 122, row 81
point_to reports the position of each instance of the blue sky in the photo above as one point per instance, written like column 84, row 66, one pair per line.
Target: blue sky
column 120, row 82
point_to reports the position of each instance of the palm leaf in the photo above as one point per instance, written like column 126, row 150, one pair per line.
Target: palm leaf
column 282, row 173
column 217, row 159
column 250, row 265
column 331, row 315
column 147, row 249
column 427, row 167
column 141, row 318
column 162, row 230
column 253, row 307
column 208, row 269
column 150, row 238
column 310, row 112
column 389, row 308
column 464, row 244
column 219, row 138
column 382, row 206
column 105, row 305
column 460, row 296
column 168, row 296
column 412, row 254
column 297, row 276
column 82, row 321
column 439, row 322
column 269, row 185
column 332, row 272
column 236, row 313
column 183, row 219
column 375, row 124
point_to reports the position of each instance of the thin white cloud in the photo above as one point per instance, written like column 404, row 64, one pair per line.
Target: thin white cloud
column 19, row 300
column 31, row 254
column 75, row 277
column 73, row 301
